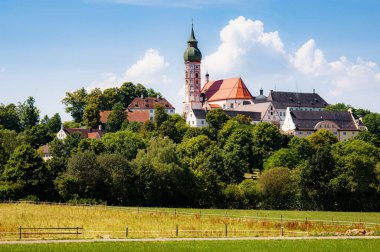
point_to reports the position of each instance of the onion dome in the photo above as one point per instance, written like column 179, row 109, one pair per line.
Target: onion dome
column 192, row 52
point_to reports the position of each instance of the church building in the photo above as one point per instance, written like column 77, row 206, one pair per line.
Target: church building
column 226, row 94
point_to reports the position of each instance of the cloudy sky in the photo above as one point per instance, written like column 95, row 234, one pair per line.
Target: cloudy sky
column 48, row 47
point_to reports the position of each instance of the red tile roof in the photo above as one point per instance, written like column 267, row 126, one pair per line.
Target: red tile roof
column 104, row 115
column 138, row 116
column 149, row 103
column 214, row 106
column 84, row 132
column 226, row 89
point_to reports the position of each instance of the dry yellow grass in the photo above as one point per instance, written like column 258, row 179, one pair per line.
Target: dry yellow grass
column 110, row 222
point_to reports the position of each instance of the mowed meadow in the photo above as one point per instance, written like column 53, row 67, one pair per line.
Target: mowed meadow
column 111, row 222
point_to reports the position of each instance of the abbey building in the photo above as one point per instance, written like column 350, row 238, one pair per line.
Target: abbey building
column 294, row 113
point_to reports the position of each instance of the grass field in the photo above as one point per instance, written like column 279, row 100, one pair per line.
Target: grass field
column 241, row 246
column 110, row 222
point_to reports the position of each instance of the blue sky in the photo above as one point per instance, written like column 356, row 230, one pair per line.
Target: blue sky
column 48, row 47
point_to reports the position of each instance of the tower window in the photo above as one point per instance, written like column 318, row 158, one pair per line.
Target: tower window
column 196, row 75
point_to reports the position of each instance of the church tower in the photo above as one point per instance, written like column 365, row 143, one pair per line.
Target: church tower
column 192, row 58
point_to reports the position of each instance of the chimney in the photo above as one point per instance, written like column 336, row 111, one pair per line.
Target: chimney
column 100, row 127
column 207, row 77
column 61, row 126
column 142, row 96
column 313, row 90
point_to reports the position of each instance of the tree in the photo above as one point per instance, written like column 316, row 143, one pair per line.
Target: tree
column 266, row 138
column 9, row 118
column 314, row 180
column 372, row 121
column 110, row 98
column 338, row 107
column 278, row 188
column 54, row 123
column 64, row 148
column 302, row 147
column 369, row 137
column 160, row 116
column 90, row 178
column 93, row 145
column 127, row 93
column 354, row 179
column 24, row 174
column 216, row 118
column 28, row 113
column 75, row 103
column 91, row 116
column 9, row 140
column 122, row 184
column 125, row 143
column 39, row 135
column 96, row 97
column 116, row 118
column 322, row 138
column 163, row 181
column 282, row 158
column 238, row 155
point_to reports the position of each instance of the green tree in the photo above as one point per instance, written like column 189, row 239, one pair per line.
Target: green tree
column 302, row 146
column 338, row 107
column 111, row 97
column 216, row 118
column 64, row 148
column 372, row 122
column 266, row 139
column 278, row 188
column 39, row 135
column 163, row 180
column 75, row 103
column 125, row 143
column 9, row 118
column 94, row 145
column 91, row 180
column 91, row 116
column 282, row 158
column 28, row 113
column 24, row 174
column 127, row 93
column 54, row 123
column 116, row 118
column 238, row 155
column 122, row 184
column 160, row 116
column 354, row 179
column 322, row 138
column 314, row 180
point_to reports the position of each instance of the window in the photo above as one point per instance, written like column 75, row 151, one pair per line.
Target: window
column 335, row 133
column 344, row 133
column 196, row 74
column 232, row 105
column 151, row 111
column 202, row 122
column 308, row 132
column 268, row 117
column 271, row 113
column 171, row 111
column 193, row 122
column 299, row 132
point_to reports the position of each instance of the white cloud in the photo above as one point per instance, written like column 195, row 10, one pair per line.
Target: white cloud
column 238, row 39
column 260, row 58
column 342, row 75
column 309, row 59
column 149, row 70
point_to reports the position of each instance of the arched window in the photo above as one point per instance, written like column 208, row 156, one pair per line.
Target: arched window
column 196, row 75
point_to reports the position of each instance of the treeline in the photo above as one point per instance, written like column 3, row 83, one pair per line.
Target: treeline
column 84, row 107
column 168, row 163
